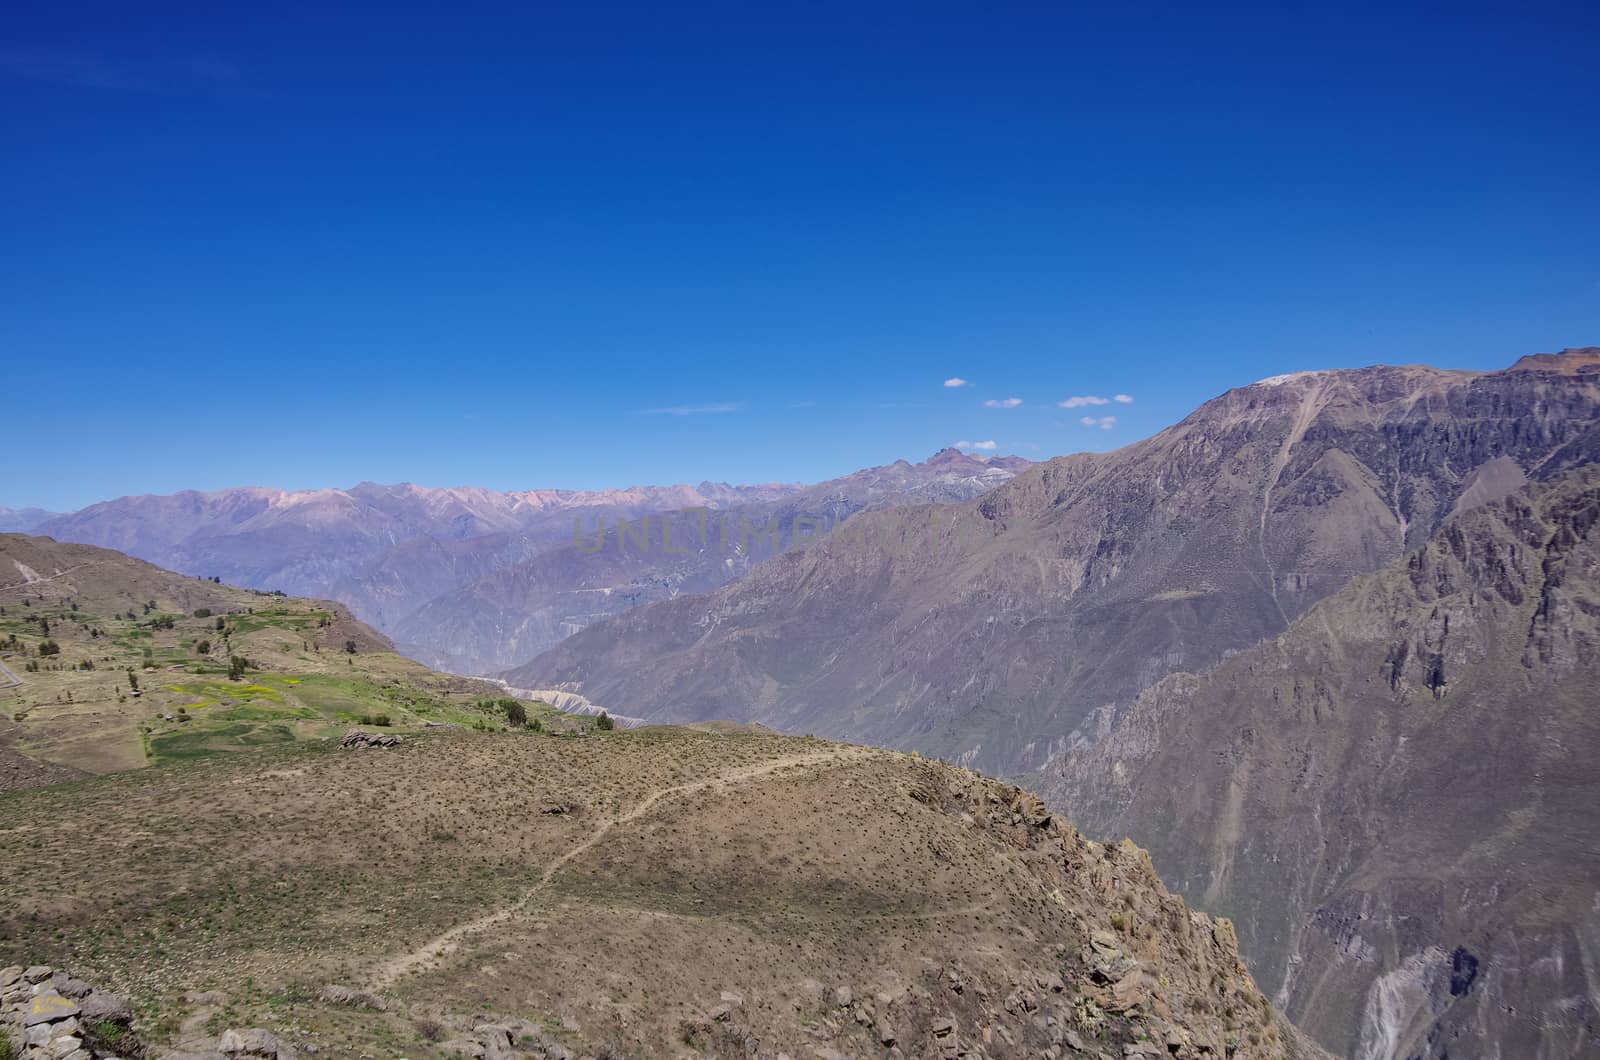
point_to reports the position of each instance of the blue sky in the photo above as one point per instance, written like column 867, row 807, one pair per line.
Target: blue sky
column 595, row 245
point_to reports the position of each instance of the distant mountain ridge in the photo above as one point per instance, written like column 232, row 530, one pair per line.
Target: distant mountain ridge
column 21, row 520
column 510, row 615
column 988, row 632
column 389, row 551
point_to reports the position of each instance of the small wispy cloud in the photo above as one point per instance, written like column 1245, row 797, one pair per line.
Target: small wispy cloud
column 977, row 445
column 1105, row 423
column 1082, row 400
column 1002, row 403
column 1122, row 399
column 956, row 380
column 802, row 404
column 696, row 410
column 78, row 69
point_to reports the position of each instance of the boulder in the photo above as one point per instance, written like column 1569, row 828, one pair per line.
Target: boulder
column 49, row 1007
column 335, row 994
column 100, row 1007
column 254, row 1042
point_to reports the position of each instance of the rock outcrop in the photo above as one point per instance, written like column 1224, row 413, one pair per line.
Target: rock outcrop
column 48, row 1014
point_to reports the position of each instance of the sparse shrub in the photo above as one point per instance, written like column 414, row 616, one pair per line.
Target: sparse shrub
column 604, row 722
column 429, row 1030
column 203, row 648
column 49, row 647
column 350, row 646
column 202, row 612
column 237, row 665
column 381, row 720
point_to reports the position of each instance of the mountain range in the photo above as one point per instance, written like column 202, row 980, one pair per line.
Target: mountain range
column 1327, row 646
column 988, row 632
column 476, row 580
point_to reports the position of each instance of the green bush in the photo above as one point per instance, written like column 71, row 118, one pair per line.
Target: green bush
column 604, row 722
column 516, row 713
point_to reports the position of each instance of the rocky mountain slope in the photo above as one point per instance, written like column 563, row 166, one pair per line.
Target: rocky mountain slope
column 988, row 632
column 635, row 893
column 113, row 663
column 1395, row 799
column 509, row 616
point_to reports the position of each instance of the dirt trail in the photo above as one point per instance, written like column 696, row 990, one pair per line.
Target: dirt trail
column 393, row 969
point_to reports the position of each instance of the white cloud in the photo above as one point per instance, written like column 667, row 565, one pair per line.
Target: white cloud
column 976, row 445
column 696, row 410
column 956, row 380
column 1105, row 423
column 1123, row 399
column 1079, row 402
column 1002, row 403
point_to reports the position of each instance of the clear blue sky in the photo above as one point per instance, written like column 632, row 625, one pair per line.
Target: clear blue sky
column 276, row 246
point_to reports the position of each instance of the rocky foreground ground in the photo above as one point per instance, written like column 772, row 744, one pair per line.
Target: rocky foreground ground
column 637, row 893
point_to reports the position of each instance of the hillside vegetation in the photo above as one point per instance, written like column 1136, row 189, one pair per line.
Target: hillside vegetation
column 115, row 664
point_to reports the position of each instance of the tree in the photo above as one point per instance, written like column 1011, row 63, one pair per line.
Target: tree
column 604, row 722
column 202, row 612
column 203, row 648
column 221, row 625
column 49, row 647
column 237, row 666
column 133, row 681
column 516, row 713
column 350, row 646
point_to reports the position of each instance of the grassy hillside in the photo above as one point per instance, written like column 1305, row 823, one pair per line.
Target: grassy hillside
column 115, row 664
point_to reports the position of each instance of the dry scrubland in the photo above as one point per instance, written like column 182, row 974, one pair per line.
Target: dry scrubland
column 653, row 892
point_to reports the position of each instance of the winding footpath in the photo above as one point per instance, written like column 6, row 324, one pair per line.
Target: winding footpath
column 396, row 968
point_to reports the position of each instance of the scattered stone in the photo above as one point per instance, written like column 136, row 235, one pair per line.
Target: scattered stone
column 842, row 997
column 336, row 994
column 254, row 1042
column 356, row 738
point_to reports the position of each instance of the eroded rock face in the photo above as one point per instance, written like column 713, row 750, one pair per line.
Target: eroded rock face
column 990, row 632
column 1394, row 799
column 48, row 1014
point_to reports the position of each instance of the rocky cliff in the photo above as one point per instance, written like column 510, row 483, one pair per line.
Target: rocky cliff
column 1395, row 798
